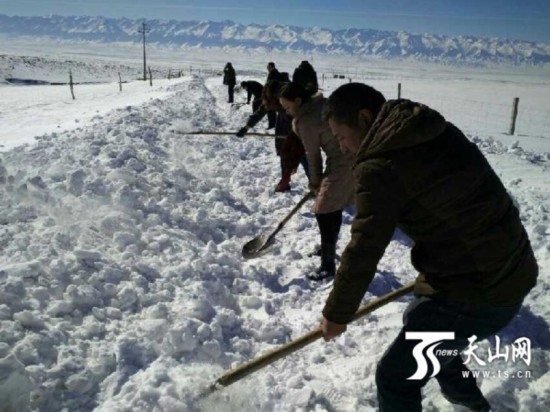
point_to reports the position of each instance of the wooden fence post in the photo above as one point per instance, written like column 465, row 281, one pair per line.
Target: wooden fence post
column 399, row 90
column 119, row 82
column 169, row 74
column 71, row 82
column 514, row 115
column 150, row 77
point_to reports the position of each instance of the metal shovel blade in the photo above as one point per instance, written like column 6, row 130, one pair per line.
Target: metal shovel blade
column 260, row 244
column 257, row 246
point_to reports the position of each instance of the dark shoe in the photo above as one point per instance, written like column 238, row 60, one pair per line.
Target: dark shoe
column 328, row 264
column 282, row 186
column 269, row 127
column 281, row 189
column 483, row 406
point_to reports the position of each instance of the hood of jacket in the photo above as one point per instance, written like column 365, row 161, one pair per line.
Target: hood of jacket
column 400, row 124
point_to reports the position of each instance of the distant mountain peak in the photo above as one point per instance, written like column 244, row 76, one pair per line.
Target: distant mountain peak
column 276, row 37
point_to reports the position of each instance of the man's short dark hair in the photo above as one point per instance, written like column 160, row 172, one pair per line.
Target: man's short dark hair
column 271, row 64
column 244, row 84
column 345, row 103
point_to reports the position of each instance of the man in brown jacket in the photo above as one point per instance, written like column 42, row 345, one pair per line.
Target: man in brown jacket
column 419, row 173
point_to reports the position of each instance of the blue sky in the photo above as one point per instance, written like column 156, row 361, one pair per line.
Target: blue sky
column 517, row 19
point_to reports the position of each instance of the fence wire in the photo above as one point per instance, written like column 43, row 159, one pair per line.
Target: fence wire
column 471, row 115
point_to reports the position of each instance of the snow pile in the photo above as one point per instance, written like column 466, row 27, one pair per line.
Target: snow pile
column 123, row 286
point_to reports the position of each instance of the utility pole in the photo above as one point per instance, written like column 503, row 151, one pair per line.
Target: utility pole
column 144, row 29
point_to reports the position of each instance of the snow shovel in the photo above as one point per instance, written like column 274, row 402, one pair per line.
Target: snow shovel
column 268, row 358
column 257, row 246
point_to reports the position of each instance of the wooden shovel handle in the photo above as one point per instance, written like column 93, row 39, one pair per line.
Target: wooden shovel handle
column 268, row 358
column 298, row 206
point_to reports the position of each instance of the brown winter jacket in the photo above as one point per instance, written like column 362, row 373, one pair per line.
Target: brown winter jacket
column 417, row 172
column 336, row 182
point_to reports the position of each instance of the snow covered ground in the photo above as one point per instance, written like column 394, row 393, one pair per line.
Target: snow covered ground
column 122, row 282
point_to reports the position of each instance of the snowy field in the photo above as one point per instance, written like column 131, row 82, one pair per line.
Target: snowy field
column 122, row 285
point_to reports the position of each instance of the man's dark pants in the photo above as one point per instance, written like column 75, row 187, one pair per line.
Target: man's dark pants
column 397, row 394
column 271, row 118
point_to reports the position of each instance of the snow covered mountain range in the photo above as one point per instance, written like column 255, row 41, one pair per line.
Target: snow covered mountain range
column 230, row 35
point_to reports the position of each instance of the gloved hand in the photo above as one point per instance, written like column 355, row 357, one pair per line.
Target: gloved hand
column 242, row 131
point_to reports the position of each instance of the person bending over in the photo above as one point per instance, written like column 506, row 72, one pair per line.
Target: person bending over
column 418, row 172
column 332, row 184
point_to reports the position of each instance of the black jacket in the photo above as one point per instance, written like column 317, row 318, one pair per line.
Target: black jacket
column 418, row 172
column 253, row 88
column 229, row 76
column 277, row 75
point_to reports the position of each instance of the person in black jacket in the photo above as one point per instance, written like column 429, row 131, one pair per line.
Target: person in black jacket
column 274, row 74
column 230, row 80
column 418, row 172
column 253, row 89
column 306, row 75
